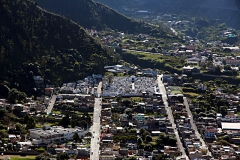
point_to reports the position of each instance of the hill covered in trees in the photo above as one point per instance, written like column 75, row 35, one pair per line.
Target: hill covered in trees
column 89, row 13
column 34, row 42
column 226, row 10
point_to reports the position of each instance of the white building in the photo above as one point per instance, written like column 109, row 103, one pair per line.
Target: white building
column 55, row 133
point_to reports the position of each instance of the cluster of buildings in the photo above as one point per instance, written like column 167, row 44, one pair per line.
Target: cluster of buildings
column 136, row 119
column 26, row 108
column 192, row 141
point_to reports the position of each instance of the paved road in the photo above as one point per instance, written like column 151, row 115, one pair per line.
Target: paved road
column 194, row 127
column 51, row 104
column 95, row 128
column 170, row 116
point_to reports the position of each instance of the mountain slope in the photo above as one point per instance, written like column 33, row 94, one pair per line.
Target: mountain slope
column 226, row 10
column 88, row 14
column 36, row 42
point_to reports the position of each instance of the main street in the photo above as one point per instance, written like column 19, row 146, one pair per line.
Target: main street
column 95, row 128
column 194, row 127
column 170, row 116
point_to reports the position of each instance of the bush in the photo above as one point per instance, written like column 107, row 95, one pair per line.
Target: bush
column 41, row 149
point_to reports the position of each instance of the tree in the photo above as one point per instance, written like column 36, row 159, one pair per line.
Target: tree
column 139, row 141
column 44, row 156
column 132, row 158
column 31, row 123
column 16, row 96
column 65, row 121
column 62, row 156
column 4, row 90
column 26, row 118
column 84, row 124
column 76, row 138
column 110, row 78
column 144, row 133
column 10, row 146
column 88, row 134
column 142, row 130
column 148, row 147
column 148, row 138
column 165, row 139
column 128, row 110
column 127, row 103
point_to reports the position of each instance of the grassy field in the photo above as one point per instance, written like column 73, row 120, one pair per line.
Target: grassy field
column 170, row 63
column 17, row 157
column 191, row 94
column 175, row 90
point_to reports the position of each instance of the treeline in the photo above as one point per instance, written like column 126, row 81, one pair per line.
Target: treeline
column 91, row 14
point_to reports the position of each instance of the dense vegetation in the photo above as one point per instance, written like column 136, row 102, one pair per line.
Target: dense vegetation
column 90, row 14
column 171, row 64
column 226, row 10
column 36, row 42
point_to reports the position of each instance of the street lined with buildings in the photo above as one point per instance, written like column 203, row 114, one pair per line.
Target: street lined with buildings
column 170, row 116
column 95, row 128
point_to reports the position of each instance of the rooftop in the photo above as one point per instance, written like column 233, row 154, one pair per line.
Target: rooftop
column 230, row 126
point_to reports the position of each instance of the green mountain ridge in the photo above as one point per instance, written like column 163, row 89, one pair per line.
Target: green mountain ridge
column 227, row 11
column 34, row 42
column 89, row 13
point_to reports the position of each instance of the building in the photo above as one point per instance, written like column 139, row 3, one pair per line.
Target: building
column 210, row 132
column 232, row 61
column 107, row 157
column 230, row 126
column 117, row 68
column 189, row 69
column 55, row 133
column 149, row 72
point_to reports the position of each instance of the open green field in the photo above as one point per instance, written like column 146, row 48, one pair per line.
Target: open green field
column 17, row 157
column 175, row 89
column 172, row 64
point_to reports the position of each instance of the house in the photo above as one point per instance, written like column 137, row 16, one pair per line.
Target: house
column 117, row 68
column 167, row 78
column 189, row 69
column 123, row 151
column 83, row 152
column 202, row 87
column 193, row 61
column 233, row 61
column 195, row 155
column 106, row 112
column 107, row 157
column 123, row 118
column 140, row 117
column 149, row 72
column 149, row 108
column 210, row 132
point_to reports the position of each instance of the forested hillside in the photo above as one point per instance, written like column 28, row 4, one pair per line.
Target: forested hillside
column 226, row 10
column 36, row 42
column 90, row 14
